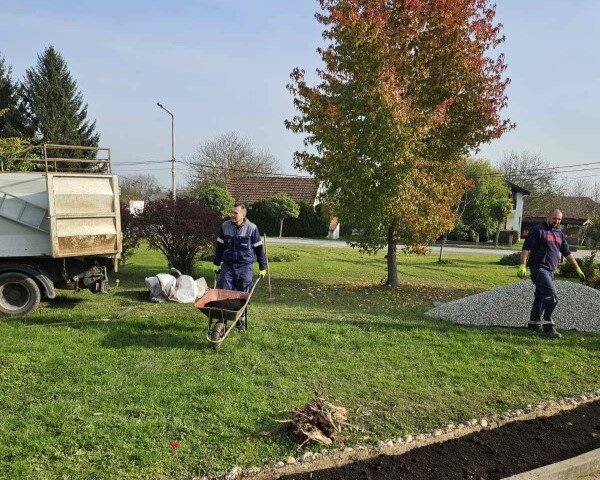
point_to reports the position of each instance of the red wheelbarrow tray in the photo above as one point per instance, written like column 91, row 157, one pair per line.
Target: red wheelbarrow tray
column 217, row 294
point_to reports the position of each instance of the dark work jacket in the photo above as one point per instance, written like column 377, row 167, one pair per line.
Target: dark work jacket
column 545, row 245
column 237, row 245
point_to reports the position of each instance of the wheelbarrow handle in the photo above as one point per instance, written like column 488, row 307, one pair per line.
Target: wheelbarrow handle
column 254, row 286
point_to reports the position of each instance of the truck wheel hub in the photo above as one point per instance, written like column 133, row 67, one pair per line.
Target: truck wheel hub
column 14, row 295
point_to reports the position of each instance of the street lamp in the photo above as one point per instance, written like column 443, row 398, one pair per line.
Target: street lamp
column 172, row 150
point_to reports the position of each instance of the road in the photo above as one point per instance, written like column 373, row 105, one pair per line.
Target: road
column 315, row 242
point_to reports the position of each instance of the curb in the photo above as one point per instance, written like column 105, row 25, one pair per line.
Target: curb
column 572, row 468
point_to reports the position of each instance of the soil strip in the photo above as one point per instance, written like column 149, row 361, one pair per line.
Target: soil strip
column 485, row 455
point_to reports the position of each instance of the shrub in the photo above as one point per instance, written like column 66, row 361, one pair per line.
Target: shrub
column 461, row 232
column 590, row 266
column 592, row 232
column 280, row 206
column 511, row 259
column 179, row 230
column 214, row 197
column 567, row 270
column 506, row 235
column 310, row 222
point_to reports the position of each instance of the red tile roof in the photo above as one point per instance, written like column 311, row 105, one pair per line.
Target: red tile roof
column 253, row 189
column 576, row 208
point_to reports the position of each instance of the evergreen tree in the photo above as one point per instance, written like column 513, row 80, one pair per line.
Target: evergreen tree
column 54, row 105
column 12, row 120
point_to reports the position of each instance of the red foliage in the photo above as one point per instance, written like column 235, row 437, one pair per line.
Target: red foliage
column 180, row 230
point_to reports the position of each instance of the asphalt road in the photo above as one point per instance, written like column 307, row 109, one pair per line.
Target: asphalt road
column 315, row 242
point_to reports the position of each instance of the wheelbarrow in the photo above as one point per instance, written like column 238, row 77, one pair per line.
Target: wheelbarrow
column 222, row 320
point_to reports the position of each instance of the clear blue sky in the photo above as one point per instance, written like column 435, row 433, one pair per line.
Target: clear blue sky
column 222, row 65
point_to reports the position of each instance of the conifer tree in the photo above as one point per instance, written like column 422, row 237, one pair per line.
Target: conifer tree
column 12, row 120
column 54, row 105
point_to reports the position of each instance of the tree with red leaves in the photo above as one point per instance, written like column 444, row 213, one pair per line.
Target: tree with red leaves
column 408, row 89
column 179, row 230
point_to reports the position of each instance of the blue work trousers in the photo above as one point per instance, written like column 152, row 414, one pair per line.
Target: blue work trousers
column 545, row 298
column 238, row 278
column 235, row 277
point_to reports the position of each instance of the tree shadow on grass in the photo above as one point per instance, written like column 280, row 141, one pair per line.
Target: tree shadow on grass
column 137, row 295
column 62, row 301
column 350, row 297
column 124, row 338
column 132, row 336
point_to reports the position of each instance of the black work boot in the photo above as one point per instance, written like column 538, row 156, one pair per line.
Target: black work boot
column 535, row 326
column 549, row 331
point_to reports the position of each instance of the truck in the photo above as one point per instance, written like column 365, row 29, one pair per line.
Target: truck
column 60, row 226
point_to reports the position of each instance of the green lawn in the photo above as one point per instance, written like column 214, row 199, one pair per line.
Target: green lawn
column 102, row 399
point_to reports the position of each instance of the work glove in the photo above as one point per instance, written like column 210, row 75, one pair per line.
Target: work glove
column 522, row 272
column 262, row 273
column 580, row 274
column 217, row 269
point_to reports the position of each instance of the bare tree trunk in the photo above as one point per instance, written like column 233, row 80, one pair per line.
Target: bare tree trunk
column 444, row 238
column 392, row 261
column 280, row 227
column 477, row 238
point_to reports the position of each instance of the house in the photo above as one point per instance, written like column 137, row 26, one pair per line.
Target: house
column 300, row 189
column 577, row 212
column 253, row 189
column 515, row 218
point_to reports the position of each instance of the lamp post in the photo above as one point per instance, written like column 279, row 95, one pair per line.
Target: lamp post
column 173, row 188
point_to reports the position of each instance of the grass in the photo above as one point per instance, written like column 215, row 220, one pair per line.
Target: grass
column 97, row 386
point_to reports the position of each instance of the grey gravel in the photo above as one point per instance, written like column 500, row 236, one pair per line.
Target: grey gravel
column 509, row 306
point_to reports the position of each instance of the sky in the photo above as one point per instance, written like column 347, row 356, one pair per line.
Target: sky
column 222, row 65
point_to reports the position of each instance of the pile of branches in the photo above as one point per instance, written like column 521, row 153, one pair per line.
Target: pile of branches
column 318, row 421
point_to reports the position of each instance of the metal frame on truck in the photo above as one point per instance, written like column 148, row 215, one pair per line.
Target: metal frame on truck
column 61, row 225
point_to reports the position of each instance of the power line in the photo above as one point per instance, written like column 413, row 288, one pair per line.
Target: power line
column 141, row 162
column 558, row 167
column 554, row 169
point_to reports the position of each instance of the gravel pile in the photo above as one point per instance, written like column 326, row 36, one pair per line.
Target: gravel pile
column 509, row 306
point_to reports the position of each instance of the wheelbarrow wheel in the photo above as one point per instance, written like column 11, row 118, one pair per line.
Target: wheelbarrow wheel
column 216, row 334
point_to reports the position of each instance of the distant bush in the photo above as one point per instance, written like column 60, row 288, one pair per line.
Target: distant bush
column 309, row 224
column 590, row 267
column 567, row 270
column 461, row 232
column 508, row 237
column 511, row 259
column 214, row 197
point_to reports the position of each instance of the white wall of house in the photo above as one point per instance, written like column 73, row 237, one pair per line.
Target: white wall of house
column 515, row 218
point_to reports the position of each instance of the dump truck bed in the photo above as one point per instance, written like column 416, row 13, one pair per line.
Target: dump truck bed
column 59, row 214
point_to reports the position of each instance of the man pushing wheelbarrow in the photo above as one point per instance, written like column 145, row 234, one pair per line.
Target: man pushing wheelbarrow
column 237, row 245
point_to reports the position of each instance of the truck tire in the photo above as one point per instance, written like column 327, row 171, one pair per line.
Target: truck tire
column 19, row 294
